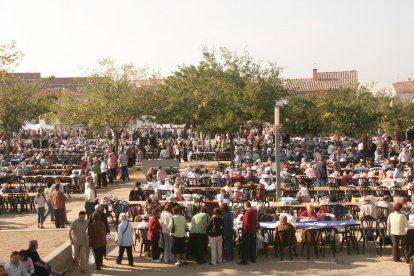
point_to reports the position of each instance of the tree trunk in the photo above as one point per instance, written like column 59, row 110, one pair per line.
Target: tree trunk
column 117, row 137
column 231, row 146
column 8, row 141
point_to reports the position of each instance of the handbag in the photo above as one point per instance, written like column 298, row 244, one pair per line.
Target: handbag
column 110, row 239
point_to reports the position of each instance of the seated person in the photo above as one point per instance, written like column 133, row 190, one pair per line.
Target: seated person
column 303, row 192
column 368, row 208
column 136, row 193
column 347, row 177
column 284, row 225
column 178, row 196
column 308, row 214
column 386, row 203
column 237, row 195
column 222, row 196
column 143, row 221
column 309, row 171
column 152, row 203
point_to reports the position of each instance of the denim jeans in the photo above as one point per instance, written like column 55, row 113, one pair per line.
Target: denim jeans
column 168, row 256
column 40, row 215
column 50, row 210
column 228, row 247
column 124, row 173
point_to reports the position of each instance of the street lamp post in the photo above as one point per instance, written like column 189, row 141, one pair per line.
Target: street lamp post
column 277, row 149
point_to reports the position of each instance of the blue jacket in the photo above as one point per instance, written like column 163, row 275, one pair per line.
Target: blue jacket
column 228, row 224
column 124, row 234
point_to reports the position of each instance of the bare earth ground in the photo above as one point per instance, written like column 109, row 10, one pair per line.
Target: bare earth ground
column 17, row 230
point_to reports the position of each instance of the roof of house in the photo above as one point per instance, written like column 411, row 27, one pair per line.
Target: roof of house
column 324, row 81
column 404, row 86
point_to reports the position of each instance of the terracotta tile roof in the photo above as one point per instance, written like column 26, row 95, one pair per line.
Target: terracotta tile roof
column 27, row 76
column 56, row 92
column 404, row 86
column 324, row 81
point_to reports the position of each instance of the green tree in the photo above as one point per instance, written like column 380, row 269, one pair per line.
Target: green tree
column 302, row 116
column 18, row 104
column 220, row 94
column 64, row 109
column 8, row 58
column 113, row 98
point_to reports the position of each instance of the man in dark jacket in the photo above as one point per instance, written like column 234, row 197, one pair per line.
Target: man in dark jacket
column 104, row 219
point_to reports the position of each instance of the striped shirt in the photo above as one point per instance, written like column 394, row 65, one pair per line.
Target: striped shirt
column 123, row 160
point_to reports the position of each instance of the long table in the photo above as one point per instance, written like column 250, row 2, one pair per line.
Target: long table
column 310, row 224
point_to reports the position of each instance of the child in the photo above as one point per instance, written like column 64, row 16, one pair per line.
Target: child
column 40, row 202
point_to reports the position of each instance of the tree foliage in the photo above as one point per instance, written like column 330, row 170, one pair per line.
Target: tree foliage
column 113, row 98
column 19, row 104
column 220, row 94
column 8, row 57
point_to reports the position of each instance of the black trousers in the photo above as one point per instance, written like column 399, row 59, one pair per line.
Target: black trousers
column 396, row 239
column 59, row 218
column 129, row 253
column 104, row 179
column 248, row 247
column 99, row 180
column 112, row 175
column 156, row 252
column 199, row 246
column 98, row 253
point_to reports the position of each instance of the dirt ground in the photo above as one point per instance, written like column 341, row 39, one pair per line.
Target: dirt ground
column 17, row 230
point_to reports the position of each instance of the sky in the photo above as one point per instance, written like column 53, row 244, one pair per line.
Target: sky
column 68, row 38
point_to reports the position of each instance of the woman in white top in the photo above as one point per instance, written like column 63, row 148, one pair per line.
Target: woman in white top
column 165, row 219
column 40, row 202
column 397, row 225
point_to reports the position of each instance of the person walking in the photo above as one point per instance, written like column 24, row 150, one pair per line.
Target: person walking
column 125, row 240
column 59, row 201
column 78, row 239
column 47, row 194
column 198, row 234
column 215, row 236
column 321, row 172
column 153, row 234
column 165, row 219
column 397, row 225
column 40, row 202
column 90, row 199
column 97, row 239
column 248, row 250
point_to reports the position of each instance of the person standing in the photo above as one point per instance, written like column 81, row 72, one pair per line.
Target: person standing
column 161, row 175
column 198, row 234
column 78, row 239
column 177, row 226
column 248, row 250
column 112, row 165
column 123, row 163
column 215, row 236
column 154, row 230
column 40, row 202
column 165, row 219
column 58, row 201
column 228, row 219
column 13, row 267
column 397, row 225
column 321, row 172
column 104, row 170
column 125, row 240
column 97, row 239
column 90, row 199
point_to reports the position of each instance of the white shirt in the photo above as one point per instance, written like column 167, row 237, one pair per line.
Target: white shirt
column 165, row 221
column 90, row 195
column 104, row 167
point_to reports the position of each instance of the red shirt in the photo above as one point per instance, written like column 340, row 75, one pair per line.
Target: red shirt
column 250, row 221
column 153, row 226
column 305, row 215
